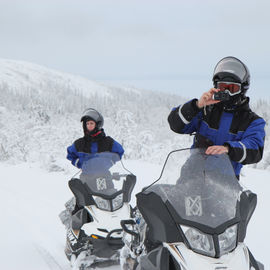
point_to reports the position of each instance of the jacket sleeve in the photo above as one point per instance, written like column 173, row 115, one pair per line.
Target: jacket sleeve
column 117, row 148
column 72, row 155
column 250, row 148
column 184, row 119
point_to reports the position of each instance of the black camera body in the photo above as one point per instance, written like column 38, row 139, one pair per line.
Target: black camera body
column 222, row 96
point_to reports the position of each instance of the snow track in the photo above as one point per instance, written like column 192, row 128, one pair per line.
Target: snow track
column 49, row 259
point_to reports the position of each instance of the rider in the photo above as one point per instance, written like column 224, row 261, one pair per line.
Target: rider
column 224, row 126
column 94, row 141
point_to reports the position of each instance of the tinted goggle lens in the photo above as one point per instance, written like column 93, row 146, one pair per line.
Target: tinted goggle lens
column 232, row 87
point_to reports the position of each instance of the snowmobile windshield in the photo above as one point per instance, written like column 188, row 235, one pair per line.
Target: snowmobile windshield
column 103, row 173
column 201, row 188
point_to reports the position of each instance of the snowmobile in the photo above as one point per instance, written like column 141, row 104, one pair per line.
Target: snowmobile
column 193, row 217
column 102, row 192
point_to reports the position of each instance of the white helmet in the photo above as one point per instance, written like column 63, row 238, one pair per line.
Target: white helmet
column 231, row 67
column 92, row 114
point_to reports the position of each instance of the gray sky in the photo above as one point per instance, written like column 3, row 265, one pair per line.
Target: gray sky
column 148, row 42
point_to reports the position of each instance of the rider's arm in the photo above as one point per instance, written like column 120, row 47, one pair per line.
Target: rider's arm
column 73, row 156
column 117, row 148
column 184, row 119
column 250, row 148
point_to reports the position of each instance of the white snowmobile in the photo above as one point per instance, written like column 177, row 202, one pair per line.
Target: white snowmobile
column 102, row 194
column 193, row 217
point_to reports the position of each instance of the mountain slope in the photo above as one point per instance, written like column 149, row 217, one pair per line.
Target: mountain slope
column 40, row 111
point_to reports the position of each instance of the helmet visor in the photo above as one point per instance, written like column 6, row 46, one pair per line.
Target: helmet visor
column 233, row 66
column 233, row 88
column 91, row 113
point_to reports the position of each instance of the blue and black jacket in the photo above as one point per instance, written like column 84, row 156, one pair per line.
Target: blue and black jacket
column 88, row 144
column 240, row 129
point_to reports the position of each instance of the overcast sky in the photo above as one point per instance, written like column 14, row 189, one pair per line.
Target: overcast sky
column 142, row 40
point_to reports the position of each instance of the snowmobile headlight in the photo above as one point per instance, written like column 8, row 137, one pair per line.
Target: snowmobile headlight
column 117, row 202
column 227, row 240
column 200, row 242
column 102, row 203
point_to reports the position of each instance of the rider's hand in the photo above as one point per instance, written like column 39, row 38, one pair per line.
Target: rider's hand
column 207, row 98
column 217, row 150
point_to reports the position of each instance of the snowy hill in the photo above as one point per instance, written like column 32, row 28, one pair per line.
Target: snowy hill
column 40, row 112
column 21, row 76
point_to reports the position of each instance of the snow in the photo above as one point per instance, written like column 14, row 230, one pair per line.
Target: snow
column 258, row 237
column 21, row 75
column 33, row 237
column 30, row 202
column 46, row 106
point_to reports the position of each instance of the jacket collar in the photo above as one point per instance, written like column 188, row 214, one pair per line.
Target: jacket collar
column 95, row 136
column 242, row 107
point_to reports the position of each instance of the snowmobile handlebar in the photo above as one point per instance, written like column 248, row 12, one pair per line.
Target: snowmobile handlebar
column 112, row 232
column 117, row 175
column 125, row 229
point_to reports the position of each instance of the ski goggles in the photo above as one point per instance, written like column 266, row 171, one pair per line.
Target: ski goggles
column 232, row 88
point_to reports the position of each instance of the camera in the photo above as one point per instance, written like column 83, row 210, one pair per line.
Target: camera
column 222, row 96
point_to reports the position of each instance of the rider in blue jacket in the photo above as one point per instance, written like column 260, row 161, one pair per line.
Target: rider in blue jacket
column 222, row 119
column 94, row 141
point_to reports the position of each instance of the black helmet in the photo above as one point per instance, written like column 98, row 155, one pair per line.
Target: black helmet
column 94, row 115
column 233, row 70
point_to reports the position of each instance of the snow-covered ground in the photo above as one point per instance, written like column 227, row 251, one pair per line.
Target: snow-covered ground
column 31, row 199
